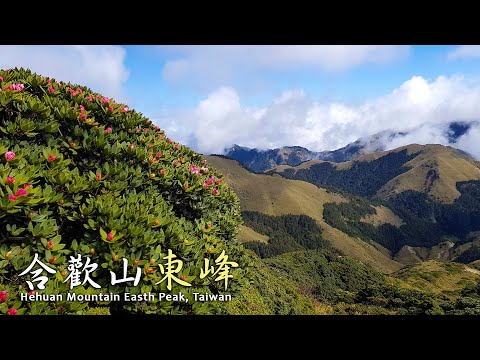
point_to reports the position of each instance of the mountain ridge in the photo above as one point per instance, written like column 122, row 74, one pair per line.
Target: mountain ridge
column 261, row 160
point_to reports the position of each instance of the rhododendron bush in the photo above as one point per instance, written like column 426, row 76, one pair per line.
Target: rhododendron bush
column 82, row 174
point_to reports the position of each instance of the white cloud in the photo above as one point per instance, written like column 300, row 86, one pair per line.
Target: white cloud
column 420, row 107
column 213, row 66
column 464, row 52
column 101, row 68
column 469, row 142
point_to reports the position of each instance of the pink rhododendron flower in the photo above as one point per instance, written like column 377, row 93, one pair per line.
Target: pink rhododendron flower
column 156, row 128
column 98, row 176
column 12, row 197
column 3, row 296
column 124, row 108
column 205, row 186
column 18, row 87
column 83, row 116
column 159, row 155
column 10, row 180
column 108, row 130
column 193, row 169
column 82, row 108
column 109, row 236
column 27, row 186
column 132, row 146
column 1, row 78
column 51, row 90
column 79, row 91
column 204, row 169
column 106, row 100
column 49, row 81
column 169, row 140
column 12, row 311
column 10, row 155
column 21, row 192
column 110, row 108
column 215, row 192
column 218, row 182
column 52, row 158
column 89, row 98
column 205, row 161
column 146, row 130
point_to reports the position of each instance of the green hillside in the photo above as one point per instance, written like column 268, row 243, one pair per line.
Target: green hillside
column 431, row 169
column 277, row 196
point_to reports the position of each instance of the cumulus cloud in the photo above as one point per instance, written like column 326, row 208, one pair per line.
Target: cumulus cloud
column 101, row 68
column 464, row 52
column 420, row 108
column 212, row 66
column 469, row 142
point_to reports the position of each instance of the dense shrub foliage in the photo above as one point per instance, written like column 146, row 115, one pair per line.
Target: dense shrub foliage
column 286, row 233
column 82, row 174
column 416, row 231
column 364, row 178
column 458, row 219
column 346, row 286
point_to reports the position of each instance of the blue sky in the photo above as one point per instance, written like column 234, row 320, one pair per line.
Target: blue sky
column 358, row 83
column 320, row 97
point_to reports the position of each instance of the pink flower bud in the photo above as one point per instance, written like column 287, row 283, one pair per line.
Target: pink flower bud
column 12, row 311
column 21, row 192
column 10, row 155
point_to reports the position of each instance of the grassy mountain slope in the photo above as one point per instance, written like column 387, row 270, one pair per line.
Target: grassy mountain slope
column 431, row 169
column 435, row 171
column 439, row 276
column 274, row 195
column 247, row 235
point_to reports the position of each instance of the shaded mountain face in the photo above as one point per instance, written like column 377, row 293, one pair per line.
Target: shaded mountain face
column 262, row 160
column 457, row 129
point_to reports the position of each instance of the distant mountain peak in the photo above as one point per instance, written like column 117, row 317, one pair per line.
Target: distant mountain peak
column 261, row 160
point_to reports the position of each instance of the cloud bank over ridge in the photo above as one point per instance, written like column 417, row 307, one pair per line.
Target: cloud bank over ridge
column 420, row 107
